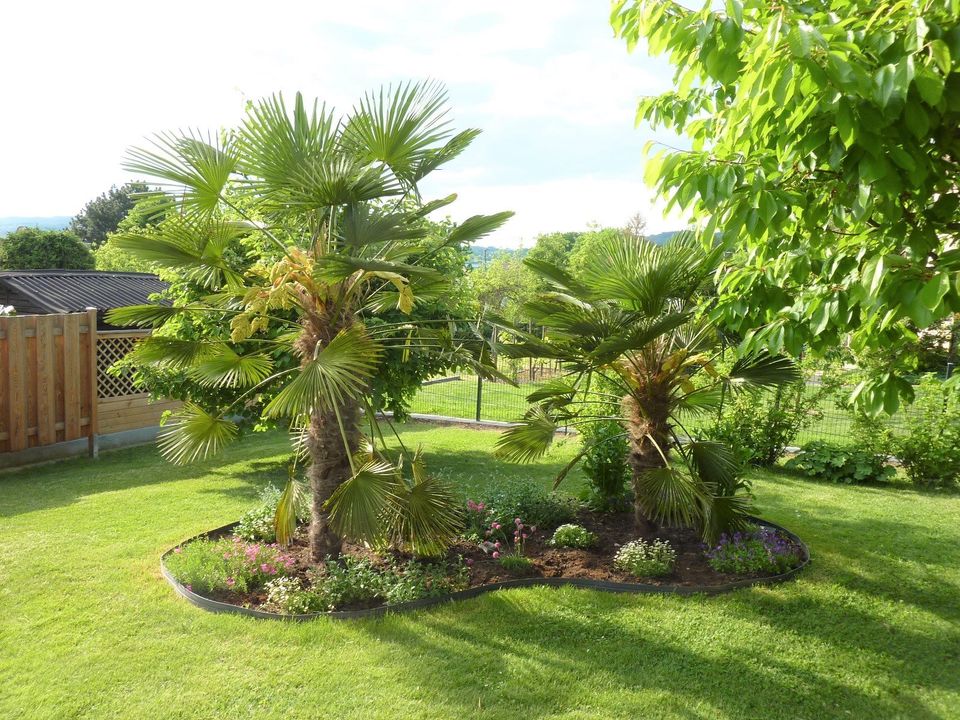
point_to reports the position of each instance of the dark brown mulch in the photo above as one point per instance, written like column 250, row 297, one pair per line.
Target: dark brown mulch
column 612, row 530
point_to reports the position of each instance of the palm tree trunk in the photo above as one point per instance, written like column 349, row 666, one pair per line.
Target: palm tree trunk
column 647, row 428
column 329, row 454
column 329, row 467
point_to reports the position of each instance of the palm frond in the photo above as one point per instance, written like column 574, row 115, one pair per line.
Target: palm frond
column 529, row 439
column 200, row 166
column 476, row 227
column 143, row 315
column 357, row 505
column 425, row 516
column 222, row 367
column 715, row 463
column 169, row 352
column 337, row 371
column 670, row 496
column 195, row 434
column 399, row 127
column 764, row 370
column 725, row 514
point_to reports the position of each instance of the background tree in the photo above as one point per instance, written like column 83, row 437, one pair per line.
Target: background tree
column 824, row 150
column 30, row 248
column 103, row 215
column 334, row 206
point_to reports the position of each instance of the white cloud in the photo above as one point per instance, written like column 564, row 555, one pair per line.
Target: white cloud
column 568, row 204
column 85, row 81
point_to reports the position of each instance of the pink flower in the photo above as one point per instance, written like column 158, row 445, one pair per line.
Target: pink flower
column 517, row 521
column 189, row 587
column 227, row 556
column 268, row 569
column 497, row 545
column 231, row 582
column 496, row 555
column 469, row 562
column 496, row 526
column 178, row 550
column 481, row 506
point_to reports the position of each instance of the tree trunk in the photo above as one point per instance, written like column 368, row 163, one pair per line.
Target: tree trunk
column 646, row 420
column 329, row 467
column 329, row 456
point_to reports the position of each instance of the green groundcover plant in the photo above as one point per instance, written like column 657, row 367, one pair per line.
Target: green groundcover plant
column 840, row 463
column 756, row 550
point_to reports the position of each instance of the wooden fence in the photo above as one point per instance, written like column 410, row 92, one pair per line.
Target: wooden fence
column 55, row 385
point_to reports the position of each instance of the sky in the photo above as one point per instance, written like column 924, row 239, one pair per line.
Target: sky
column 553, row 91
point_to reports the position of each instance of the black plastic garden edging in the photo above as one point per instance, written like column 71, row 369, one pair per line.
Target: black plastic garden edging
column 221, row 607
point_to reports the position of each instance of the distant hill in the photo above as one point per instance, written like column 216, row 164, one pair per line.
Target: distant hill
column 50, row 222
column 662, row 237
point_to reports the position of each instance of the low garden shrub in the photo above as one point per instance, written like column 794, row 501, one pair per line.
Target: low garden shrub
column 257, row 523
column 502, row 502
column 646, row 559
column 930, row 452
column 227, row 564
column 758, row 550
column 840, row 464
column 507, row 544
column 288, row 596
column 573, row 536
column 605, row 465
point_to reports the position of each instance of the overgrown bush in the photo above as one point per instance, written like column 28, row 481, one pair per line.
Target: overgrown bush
column 759, row 550
column 228, row 564
column 841, row 464
column 573, row 536
column 605, row 465
column 503, row 502
column 646, row 559
column 930, row 452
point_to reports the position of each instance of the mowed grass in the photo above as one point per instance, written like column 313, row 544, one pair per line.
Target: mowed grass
column 89, row 629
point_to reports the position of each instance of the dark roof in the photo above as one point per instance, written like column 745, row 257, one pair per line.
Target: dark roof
column 63, row 291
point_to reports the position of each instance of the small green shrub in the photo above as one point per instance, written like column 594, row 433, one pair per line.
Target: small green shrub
column 646, row 559
column 605, row 465
column 516, row 563
column 418, row 580
column 840, row 464
column 503, row 502
column 217, row 565
column 350, row 581
column 287, row 595
column 257, row 523
column 573, row 536
column 353, row 581
column 758, row 550
column 930, row 452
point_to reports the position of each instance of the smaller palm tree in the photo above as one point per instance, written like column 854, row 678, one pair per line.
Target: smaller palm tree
column 637, row 348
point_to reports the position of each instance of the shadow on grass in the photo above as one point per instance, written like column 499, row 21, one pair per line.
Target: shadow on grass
column 519, row 653
column 64, row 483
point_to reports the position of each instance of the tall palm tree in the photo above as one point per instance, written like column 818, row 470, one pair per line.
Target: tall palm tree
column 333, row 206
column 632, row 319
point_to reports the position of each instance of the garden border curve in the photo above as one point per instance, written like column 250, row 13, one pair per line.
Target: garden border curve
column 602, row 585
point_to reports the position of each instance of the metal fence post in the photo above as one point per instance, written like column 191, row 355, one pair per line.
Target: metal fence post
column 479, row 395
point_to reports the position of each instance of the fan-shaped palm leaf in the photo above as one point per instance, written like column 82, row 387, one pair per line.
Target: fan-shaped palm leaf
column 357, row 506
column 223, row 367
column 528, row 439
column 337, row 371
column 194, row 434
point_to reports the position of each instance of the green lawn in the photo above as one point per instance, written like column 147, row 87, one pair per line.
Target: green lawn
column 89, row 629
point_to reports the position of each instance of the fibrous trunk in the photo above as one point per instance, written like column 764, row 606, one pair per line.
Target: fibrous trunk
column 648, row 429
column 333, row 435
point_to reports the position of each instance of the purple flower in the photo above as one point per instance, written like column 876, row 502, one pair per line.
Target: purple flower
column 469, row 562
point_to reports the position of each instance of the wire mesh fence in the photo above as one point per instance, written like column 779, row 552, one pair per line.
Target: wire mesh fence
column 470, row 398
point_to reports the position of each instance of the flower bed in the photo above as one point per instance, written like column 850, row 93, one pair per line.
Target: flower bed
column 268, row 581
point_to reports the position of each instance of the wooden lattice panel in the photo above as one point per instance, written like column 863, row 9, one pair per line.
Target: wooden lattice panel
column 111, row 348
